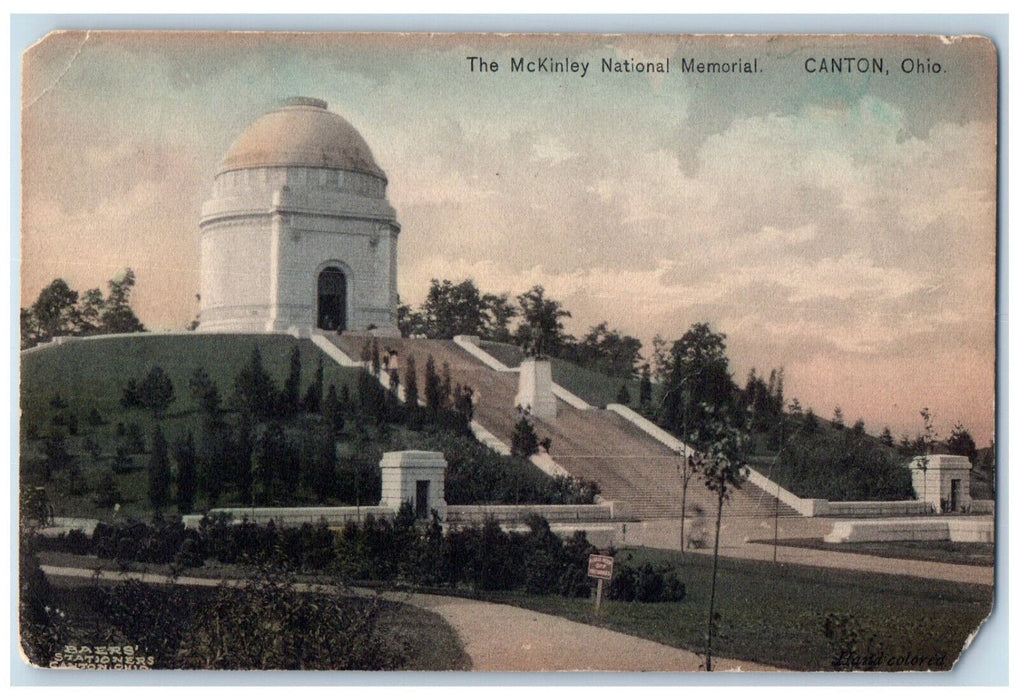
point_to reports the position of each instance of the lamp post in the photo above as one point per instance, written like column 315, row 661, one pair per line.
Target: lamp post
column 778, row 489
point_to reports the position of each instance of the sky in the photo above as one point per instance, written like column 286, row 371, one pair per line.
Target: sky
column 841, row 226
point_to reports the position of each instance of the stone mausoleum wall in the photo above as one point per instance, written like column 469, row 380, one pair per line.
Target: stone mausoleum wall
column 298, row 192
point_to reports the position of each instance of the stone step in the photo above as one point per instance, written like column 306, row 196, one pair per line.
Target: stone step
column 630, row 467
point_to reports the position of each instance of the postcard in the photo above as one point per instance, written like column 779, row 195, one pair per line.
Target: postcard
column 507, row 352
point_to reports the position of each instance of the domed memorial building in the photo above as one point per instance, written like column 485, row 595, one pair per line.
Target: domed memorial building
column 298, row 234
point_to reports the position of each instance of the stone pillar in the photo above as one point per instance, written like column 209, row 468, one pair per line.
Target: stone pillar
column 275, row 242
column 535, row 389
column 417, row 477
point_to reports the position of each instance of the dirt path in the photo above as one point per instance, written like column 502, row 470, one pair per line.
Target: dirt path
column 506, row 638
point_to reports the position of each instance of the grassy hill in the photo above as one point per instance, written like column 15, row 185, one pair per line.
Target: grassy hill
column 75, row 432
column 92, row 373
column 90, row 376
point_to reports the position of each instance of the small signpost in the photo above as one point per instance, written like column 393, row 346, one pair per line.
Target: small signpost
column 599, row 567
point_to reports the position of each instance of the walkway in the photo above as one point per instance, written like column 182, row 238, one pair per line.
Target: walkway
column 506, row 638
column 664, row 534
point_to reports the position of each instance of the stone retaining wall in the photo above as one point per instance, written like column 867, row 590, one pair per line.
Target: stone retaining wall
column 953, row 529
column 338, row 516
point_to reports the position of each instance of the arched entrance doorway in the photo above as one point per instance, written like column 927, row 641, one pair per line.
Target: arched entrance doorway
column 332, row 299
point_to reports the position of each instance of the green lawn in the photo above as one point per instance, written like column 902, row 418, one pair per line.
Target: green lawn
column 775, row 614
column 972, row 553
column 92, row 374
column 770, row 614
column 509, row 355
column 594, row 387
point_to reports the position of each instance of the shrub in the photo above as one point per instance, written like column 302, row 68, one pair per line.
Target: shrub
column 154, row 392
column 268, row 624
column 406, row 549
column 646, row 584
column 524, row 439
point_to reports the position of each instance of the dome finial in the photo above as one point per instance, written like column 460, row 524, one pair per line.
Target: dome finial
column 305, row 102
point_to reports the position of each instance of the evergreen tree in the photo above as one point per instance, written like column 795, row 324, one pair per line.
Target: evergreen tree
column 290, row 470
column 837, row 420
column 160, row 478
column 376, row 361
column 345, row 402
column 156, row 391
column 204, row 392
column 291, row 396
column 269, row 460
column 524, row 441
column 372, row 398
column 446, row 387
column 214, row 451
column 55, row 456
column 645, row 386
column 886, row 437
column 313, row 397
column 243, row 447
column 332, row 410
column 810, row 422
column 76, row 484
column 186, row 457
column 433, row 386
column 255, row 393
column 323, row 476
column 131, row 397
column 107, row 493
column 410, row 383
column 778, row 396
column 623, row 395
column 463, row 402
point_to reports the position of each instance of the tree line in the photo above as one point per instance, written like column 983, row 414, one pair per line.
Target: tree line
column 531, row 320
column 62, row 311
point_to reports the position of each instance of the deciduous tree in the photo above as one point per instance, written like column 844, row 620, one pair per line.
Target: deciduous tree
column 117, row 315
column 698, row 380
column 960, row 442
column 726, row 448
column 541, row 329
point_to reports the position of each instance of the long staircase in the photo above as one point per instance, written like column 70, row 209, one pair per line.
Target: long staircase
column 632, row 469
